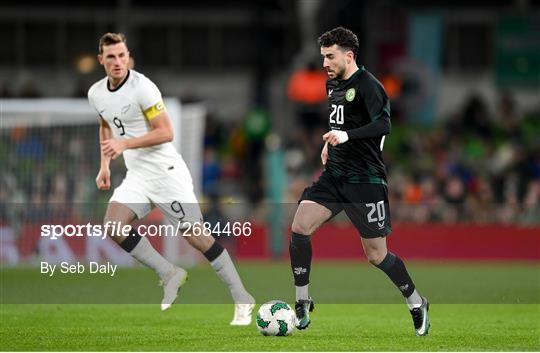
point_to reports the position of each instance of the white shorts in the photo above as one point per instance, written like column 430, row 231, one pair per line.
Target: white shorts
column 172, row 193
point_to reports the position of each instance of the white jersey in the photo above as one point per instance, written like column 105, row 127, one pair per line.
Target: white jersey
column 128, row 110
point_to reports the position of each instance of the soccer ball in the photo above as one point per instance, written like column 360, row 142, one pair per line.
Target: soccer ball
column 276, row 318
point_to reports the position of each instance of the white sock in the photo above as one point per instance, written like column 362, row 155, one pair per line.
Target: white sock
column 414, row 301
column 302, row 292
column 225, row 269
column 147, row 255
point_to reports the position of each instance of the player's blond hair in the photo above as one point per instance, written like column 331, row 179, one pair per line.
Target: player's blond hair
column 110, row 39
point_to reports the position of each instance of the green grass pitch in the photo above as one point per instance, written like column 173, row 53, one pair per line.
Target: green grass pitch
column 358, row 313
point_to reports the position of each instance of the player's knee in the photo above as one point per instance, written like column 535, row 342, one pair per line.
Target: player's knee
column 113, row 228
column 107, row 227
column 201, row 242
column 375, row 256
column 303, row 227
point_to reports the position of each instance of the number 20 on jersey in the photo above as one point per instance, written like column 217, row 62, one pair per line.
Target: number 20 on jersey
column 337, row 116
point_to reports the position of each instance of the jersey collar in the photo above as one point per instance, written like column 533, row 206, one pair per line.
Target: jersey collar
column 120, row 85
column 360, row 70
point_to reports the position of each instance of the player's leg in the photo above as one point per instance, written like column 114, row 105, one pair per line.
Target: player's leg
column 394, row 267
column 174, row 196
column 127, row 203
column 222, row 263
column 369, row 211
column 391, row 264
column 318, row 204
column 309, row 216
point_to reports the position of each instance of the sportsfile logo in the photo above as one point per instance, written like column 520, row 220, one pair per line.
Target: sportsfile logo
column 186, row 229
column 55, row 231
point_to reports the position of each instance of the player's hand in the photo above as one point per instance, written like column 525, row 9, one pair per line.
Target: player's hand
column 103, row 179
column 113, row 147
column 335, row 137
column 324, row 153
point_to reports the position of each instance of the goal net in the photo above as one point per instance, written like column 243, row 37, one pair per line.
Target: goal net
column 50, row 157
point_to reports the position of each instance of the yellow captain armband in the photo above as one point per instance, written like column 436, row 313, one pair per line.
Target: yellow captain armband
column 153, row 111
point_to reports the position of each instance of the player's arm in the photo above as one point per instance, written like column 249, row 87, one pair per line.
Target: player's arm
column 103, row 179
column 161, row 132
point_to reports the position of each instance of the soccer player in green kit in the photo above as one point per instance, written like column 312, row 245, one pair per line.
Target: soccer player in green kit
column 354, row 179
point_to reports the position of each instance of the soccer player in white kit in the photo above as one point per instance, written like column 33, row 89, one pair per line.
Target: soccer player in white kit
column 134, row 122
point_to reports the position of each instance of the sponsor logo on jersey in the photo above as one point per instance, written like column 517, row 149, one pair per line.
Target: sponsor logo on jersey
column 125, row 108
column 351, row 93
column 330, row 92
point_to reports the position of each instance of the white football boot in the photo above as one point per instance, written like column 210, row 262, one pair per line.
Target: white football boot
column 243, row 311
column 171, row 286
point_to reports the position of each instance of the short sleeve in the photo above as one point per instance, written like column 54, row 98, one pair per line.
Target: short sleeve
column 149, row 99
column 90, row 95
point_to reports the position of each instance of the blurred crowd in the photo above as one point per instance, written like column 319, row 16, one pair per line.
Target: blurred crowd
column 48, row 173
column 480, row 165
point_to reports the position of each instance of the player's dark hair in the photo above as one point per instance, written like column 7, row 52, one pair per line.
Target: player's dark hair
column 111, row 39
column 343, row 37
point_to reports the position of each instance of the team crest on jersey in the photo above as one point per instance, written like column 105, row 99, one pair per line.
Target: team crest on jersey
column 350, row 94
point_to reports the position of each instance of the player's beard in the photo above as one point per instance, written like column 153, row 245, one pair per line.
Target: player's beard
column 340, row 73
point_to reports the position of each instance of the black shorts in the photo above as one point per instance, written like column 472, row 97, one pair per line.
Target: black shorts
column 365, row 204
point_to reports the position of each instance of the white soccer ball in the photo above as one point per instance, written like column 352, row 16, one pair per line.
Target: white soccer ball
column 276, row 318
